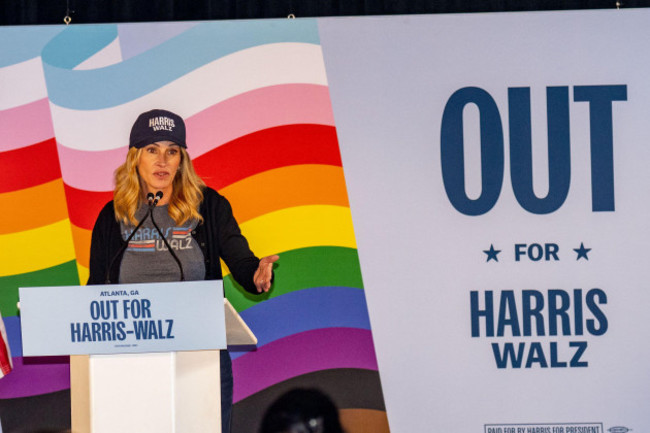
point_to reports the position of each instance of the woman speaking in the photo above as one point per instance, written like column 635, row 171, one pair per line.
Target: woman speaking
column 189, row 229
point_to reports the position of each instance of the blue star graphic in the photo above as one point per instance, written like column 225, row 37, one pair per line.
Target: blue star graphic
column 492, row 253
column 582, row 252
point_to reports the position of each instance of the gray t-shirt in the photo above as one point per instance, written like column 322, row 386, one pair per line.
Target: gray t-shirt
column 147, row 259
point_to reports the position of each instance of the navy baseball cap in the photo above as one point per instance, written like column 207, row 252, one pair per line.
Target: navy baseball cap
column 157, row 125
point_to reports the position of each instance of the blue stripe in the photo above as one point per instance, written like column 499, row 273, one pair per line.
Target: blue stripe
column 76, row 44
column 24, row 43
column 12, row 325
column 128, row 80
column 305, row 310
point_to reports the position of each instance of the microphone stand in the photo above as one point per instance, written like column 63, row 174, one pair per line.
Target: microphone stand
column 159, row 195
column 150, row 199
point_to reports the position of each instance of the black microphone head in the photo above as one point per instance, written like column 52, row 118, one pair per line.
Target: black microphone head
column 150, row 198
column 159, row 195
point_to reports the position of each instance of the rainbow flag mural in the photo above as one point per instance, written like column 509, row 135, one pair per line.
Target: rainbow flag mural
column 36, row 247
column 260, row 130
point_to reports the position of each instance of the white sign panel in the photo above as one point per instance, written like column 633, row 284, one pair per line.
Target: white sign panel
column 497, row 167
column 124, row 318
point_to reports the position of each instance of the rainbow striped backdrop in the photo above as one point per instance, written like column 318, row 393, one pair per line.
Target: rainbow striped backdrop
column 260, row 130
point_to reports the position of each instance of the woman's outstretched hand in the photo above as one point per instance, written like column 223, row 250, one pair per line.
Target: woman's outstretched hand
column 264, row 273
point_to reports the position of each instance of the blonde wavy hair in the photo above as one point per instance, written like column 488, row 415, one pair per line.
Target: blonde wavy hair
column 187, row 190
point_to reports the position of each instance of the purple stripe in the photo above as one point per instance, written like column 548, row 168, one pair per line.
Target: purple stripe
column 136, row 39
column 302, row 353
column 34, row 376
column 309, row 309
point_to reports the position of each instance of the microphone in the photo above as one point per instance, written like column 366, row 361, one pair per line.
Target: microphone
column 150, row 198
column 125, row 245
column 159, row 195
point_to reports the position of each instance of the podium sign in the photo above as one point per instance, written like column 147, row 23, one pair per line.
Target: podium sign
column 124, row 318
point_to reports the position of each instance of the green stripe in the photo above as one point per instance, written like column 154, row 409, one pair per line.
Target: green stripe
column 301, row 269
column 60, row 275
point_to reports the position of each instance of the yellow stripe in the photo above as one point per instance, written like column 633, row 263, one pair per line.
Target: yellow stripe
column 290, row 229
column 35, row 249
column 84, row 273
column 299, row 227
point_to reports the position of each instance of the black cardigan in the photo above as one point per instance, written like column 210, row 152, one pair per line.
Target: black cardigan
column 218, row 236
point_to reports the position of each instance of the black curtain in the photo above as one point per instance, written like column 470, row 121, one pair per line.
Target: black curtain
column 23, row 12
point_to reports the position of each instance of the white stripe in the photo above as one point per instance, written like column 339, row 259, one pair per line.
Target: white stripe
column 240, row 72
column 22, row 83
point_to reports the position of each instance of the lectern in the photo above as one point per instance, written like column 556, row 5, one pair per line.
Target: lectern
column 144, row 357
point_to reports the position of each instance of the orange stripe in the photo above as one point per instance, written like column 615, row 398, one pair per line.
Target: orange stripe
column 81, row 239
column 34, row 207
column 364, row 421
column 286, row 187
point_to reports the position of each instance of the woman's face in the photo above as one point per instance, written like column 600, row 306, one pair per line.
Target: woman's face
column 157, row 166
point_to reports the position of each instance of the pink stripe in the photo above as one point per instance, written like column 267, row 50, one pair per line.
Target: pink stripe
column 238, row 116
column 302, row 353
column 257, row 110
column 25, row 125
column 90, row 170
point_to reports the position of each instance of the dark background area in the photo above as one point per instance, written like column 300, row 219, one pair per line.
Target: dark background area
column 24, row 12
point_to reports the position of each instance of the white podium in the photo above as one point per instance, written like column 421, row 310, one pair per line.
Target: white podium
column 150, row 390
